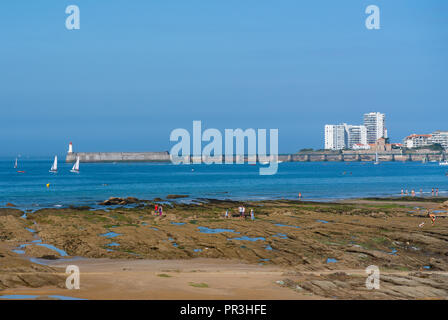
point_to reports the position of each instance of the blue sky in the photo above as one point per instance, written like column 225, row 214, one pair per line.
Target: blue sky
column 138, row 69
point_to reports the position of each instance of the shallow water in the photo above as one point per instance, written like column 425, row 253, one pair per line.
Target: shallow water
column 245, row 238
column 61, row 252
column 18, row 296
column 178, row 223
column 110, row 234
column 218, row 230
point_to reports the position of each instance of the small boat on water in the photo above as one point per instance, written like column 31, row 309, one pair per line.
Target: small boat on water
column 54, row 167
column 75, row 168
column 15, row 164
column 376, row 159
column 443, row 163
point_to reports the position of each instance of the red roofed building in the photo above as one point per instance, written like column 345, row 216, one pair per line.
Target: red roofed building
column 417, row 140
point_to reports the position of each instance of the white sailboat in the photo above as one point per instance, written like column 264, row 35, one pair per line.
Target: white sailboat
column 54, row 167
column 376, row 159
column 76, row 166
column 15, row 164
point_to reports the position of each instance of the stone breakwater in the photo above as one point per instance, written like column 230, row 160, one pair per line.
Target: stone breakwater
column 119, row 156
column 297, row 157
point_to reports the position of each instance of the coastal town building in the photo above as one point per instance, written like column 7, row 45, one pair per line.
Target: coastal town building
column 345, row 136
column 439, row 137
column 356, row 135
column 417, row 141
column 335, row 137
column 381, row 145
column 375, row 122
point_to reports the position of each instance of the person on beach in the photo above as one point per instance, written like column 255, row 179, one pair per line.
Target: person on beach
column 227, row 214
column 413, row 193
column 252, row 215
column 160, row 211
column 407, row 193
column 156, row 210
column 244, row 212
column 402, row 192
column 421, row 192
column 240, row 210
column 432, row 216
column 432, row 192
column 437, row 192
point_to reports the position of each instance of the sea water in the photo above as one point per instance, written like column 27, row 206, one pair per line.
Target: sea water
column 314, row 180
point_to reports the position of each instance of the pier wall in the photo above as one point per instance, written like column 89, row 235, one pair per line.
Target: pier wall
column 118, row 157
column 298, row 157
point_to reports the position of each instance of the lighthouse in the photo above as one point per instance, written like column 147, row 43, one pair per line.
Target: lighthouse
column 70, row 148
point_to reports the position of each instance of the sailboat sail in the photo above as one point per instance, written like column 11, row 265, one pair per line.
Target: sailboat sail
column 54, row 167
column 76, row 165
column 15, row 164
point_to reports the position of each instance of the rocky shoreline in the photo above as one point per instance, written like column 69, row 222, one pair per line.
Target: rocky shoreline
column 299, row 237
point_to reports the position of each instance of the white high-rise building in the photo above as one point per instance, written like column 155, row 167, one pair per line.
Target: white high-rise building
column 439, row 137
column 335, row 137
column 375, row 123
column 356, row 135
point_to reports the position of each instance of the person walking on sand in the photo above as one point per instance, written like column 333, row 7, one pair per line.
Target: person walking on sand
column 227, row 214
column 402, row 192
column 160, row 211
column 413, row 193
column 437, row 192
column 432, row 192
column 156, row 210
column 244, row 212
column 252, row 215
column 300, row 195
column 240, row 211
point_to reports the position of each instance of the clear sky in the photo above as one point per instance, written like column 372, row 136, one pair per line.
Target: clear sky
column 138, row 69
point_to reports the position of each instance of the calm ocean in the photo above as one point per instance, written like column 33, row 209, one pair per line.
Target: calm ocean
column 319, row 180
